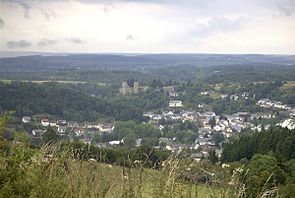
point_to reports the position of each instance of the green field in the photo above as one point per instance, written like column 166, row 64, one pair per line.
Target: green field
column 46, row 81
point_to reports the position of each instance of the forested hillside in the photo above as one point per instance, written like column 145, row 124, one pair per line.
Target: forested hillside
column 32, row 98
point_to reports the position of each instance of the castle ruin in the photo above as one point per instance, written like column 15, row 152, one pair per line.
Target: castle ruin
column 126, row 89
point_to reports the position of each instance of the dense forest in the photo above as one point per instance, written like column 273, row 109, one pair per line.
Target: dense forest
column 280, row 142
column 70, row 104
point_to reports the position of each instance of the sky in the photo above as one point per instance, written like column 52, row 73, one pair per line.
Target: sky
column 148, row 26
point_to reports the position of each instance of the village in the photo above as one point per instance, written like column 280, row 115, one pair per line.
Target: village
column 211, row 130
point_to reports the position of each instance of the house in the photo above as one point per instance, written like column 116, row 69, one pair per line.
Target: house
column 26, row 119
column 267, row 103
column 89, row 125
column 79, row 131
column 175, row 116
column 245, row 116
column 45, row 122
column 175, row 103
column 197, row 156
column 218, row 128
column 223, row 122
column 245, row 95
column 202, row 141
column 175, row 147
column 266, row 115
column 204, row 131
column 234, row 97
column 138, row 142
column 52, row 124
column 156, row 117
column 289, row 124
column 205, row 93
column 187, row 115
column 292, row 113
column 73, row 124
column 106, row 128
column 236, row 127
column 256, row 128
column 61, row 122
column 223, row 96
column 62, row 129
column 218, row 152
column 161, row 127
column 200, row 106
column 37, row 132
column 173, row 94
column 167, row 113
column 114, row 142
column 209, row 114
column 148, row 114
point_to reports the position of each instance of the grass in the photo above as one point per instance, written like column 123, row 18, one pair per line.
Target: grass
column 115, row 181
column 288, row 85
column 56, row 172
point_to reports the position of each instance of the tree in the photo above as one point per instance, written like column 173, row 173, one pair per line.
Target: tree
column 97, row 138
column 149, row 142
column 212, row 156
column 22, row 137
column 218, row 138
column 263, row 173
column 212, row 122
column 3, row 123
column 50, row 135
column 129, row 141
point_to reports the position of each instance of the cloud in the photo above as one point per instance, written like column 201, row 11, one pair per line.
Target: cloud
column 130, row 37
column 2, row 23
column 286, row 7
column 26, row 5
column 18, row 44
column 108, row 7
column 75, row 40
column 218, row 24
column 46, row 43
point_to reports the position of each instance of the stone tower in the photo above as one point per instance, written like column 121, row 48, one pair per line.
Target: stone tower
column 125, row 88
column 135, row 88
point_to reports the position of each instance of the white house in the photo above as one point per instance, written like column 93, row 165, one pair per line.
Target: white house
column 175, row 103
column 79, row 131
column 62, row 129
column 52, row 124
column 115, row 142
column 61, row 122
column 205, row 93
column 289, row 124
column 45, row 122
column 148, row 114
column 157, row 117
column 106, row 128
column 26, row 119
column 37, row 132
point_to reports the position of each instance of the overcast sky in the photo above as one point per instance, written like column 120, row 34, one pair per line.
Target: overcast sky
column 148, row 26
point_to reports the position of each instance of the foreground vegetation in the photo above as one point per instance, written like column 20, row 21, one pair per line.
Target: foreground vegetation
column 61, row 170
